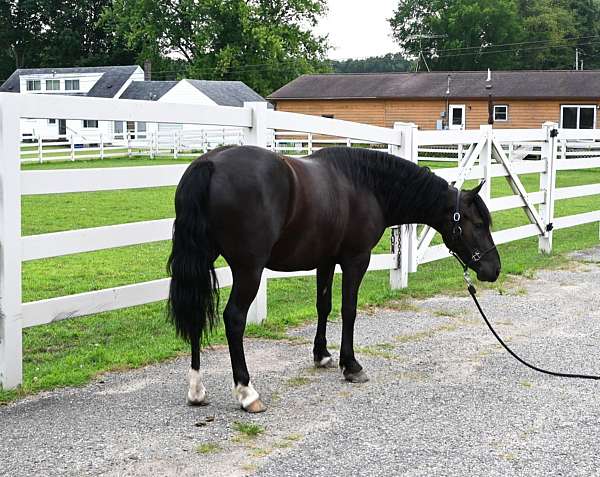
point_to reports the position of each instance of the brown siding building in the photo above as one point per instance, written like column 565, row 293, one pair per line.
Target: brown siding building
column 458, row 100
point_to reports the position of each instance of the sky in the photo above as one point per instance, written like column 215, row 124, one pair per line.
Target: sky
column 358, row 28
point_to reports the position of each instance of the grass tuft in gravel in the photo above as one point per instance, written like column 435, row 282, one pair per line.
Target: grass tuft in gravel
column 208, row 448
column 248, row 429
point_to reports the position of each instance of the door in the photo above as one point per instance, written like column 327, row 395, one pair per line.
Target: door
column 62, row 127
column 131, row 129
column 456, row 116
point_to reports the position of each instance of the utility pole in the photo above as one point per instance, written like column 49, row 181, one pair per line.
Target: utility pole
column 421, row 56
column 488, row 87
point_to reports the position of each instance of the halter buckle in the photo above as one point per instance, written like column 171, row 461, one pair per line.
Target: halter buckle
column 467, row 278
column 456, row 217
column 476, row 256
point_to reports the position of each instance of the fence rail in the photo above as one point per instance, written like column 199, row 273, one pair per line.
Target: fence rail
column 481, row 154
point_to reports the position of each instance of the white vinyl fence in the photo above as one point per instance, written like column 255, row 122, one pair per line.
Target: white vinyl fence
column 177, row 144
column 483, row 156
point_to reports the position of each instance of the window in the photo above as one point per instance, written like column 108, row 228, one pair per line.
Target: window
column 52, row 85
column 501, row 112
column 329, row 116
column 141, row 127
column 72, row 85
column 118, row 127
column 51, row 121
column 34, row 85
column 90, row 123
column 578, row 116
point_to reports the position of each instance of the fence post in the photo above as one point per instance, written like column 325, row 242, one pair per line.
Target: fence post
column 128, row 136
column 175, row 144
column 72, row 147
column 151, row 142
column 101, row 146
column 485, row 161
column 11, row 361
column 257, row 135
column 310, row 144
column 548, row 185
column 40, row 149
column 404, row 238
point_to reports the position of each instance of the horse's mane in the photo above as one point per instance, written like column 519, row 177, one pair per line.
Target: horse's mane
column 398, row 184
column 483, row 210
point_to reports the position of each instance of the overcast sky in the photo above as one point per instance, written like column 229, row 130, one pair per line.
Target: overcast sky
column 359, row 28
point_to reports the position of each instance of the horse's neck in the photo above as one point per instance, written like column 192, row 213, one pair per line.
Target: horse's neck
column 407, row 210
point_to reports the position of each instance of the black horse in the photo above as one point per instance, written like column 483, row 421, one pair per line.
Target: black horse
column 262, row 210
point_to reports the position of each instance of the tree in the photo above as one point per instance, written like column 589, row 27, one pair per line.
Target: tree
column 21, row 30
column 586, row 14
column 498, row 34
column 374, row 64
column 52, row 33
column 265, row 43
column 457, row 34
column 549, row 29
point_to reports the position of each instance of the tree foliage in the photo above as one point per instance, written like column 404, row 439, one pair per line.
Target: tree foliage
column 498, row 34
column 51, row 33
column 264, row 43
column 374, row 64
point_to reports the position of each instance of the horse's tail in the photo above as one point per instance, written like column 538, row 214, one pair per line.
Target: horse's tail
column 194, row 292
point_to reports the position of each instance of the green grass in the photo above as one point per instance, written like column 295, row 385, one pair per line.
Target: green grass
column 208, row 448
column 72, row 352
column 248, row 429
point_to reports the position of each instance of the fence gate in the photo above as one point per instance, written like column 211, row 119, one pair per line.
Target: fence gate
column 484, row 159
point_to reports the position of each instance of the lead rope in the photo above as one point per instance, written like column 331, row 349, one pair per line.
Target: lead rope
column 472, row 292
column 476, row 256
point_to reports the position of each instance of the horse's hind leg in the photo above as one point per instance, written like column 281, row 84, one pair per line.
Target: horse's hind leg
column 196, row 392
column 321, row 355
column 353, row 272
column 245, row 286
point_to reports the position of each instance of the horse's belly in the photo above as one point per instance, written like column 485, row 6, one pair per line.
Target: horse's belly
column 291, row 255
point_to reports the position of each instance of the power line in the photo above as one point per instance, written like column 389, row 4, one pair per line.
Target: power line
column 500, row 45
column 515, row 50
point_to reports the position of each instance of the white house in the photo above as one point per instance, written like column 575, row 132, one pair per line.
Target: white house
column 97, row 82
column 122, row 82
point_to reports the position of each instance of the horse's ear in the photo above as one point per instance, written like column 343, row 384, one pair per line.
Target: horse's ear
column 477, row 189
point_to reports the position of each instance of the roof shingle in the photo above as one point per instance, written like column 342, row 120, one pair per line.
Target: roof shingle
column 470, row 84
column 226, row 93
column 147, row 90
column 107, row 86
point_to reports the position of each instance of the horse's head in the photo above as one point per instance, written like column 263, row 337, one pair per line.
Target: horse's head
column 466, row 230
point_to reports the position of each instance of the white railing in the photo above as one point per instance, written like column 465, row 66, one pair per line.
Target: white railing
column 256, row 123
column 176, row 144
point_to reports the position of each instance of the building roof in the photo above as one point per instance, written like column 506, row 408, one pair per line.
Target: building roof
column 469, row 84
column 227, row 93
column 147, row 90
column 107, row 86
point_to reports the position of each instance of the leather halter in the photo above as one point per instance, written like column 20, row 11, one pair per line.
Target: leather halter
column 457, row 234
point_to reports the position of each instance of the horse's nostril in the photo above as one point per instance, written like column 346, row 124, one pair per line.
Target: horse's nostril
column 497, row 272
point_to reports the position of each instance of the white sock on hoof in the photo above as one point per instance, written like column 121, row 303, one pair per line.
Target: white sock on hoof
column 245, row 395
column 196, row 391
column 325, row 361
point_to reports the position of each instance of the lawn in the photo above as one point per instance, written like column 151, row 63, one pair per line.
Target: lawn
column 74, row 351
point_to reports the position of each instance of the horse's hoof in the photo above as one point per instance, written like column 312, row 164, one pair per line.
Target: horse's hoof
column 360, row 377
column 255, row 407
column 202, row 403
column 326, row 362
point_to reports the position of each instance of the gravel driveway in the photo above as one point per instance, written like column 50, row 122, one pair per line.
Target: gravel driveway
column 444, row 399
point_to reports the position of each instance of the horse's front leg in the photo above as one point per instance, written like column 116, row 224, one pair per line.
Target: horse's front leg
column 321, row 355
column 353, row 272
column 245, row 286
